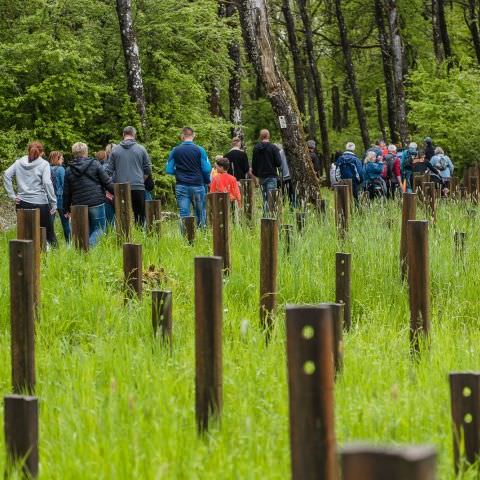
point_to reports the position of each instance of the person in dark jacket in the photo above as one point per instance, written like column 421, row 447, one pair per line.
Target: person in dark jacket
column 85, row 184
column 317, row 163
column 129, row 163
column 350, row 167
column 239, row 166
column 266, row 161
column 429, row 148
column 191, row 167
column 58, row 174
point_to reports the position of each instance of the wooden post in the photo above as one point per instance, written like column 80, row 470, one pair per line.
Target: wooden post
column 430, row 199
column 153, row 215
column 133, row 268
column 80, row 227
column 28, row 228
column 22, row 315
column 349, row 183
column 419, row 281
column 123, row 210
column 21, row 433
column 208, row 340
column 311, row 384
column 321, row 206
column 409, row 212
column 460, row 239
column 43, row 239
column 338, row 313
column 275, row 204
column 221, row 229
column 268, row 272
column 365, row 462
column 463, row 193
column 465, row 404
column 343, row 269
column 162, row 314
column 474, row 187
column 286, row 235
column 301, row 220
column 210, row 209
column 189, row 228
column 342, row 208
column 248, row 198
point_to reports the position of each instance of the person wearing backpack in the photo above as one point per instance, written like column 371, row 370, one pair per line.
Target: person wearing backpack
column 406, row 164
column 85, row 184
column 392, row 172
column 58, row 180
column 374, row 183
column 348, row 166
column 443, row 164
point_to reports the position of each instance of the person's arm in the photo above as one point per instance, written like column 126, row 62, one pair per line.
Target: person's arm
column 110, row 166
column 236, row 191
column 245, row 165
column 67, row 194
column 8, row 182
column 105, row 179
column 170, row 168
column 48, row 186
column 278, row 157
column 60, row 182
column 450, row 166
column 206, row 166
column 254, row 164
column 146, row 164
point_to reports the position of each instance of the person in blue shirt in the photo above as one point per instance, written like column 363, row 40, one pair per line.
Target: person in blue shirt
column 443, row 164
column 191, row 167
column 406, row 164
column 374, row 183
column 350, row 167
column 58, row 176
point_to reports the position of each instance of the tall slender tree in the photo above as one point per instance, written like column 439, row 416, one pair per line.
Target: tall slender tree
column 442, row 25
column 472, row 19
column 436, row 35
column 312, row 123
column 351, row 75
column 132, row 57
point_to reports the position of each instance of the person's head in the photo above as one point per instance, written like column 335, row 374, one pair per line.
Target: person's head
column 35, row 151
column 264, row 135
column 101, row 156
column 129, row 133
column 427, row 141
column 392, row 149
column 382, row 144
column 55, row 158
column 371, row 156
column 223, row 164
column 187, row 135
column 350, row 147
column 236, row 142
column 311, row 145
column 439, row 151
column 412, row 147
column 109, row 148
column 80, row 150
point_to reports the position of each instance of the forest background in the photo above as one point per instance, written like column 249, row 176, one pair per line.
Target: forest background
column 63, row 75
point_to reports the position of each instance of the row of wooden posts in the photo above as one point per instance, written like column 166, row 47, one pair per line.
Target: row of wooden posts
column 314, row 338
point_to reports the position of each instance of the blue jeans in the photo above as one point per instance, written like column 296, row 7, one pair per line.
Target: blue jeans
column 65, row 225
column 195, row 195
column 268, row 185
column 97, row 223
column 110, row 214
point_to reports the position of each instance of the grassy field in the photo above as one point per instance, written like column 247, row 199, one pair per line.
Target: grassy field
column 116, row 405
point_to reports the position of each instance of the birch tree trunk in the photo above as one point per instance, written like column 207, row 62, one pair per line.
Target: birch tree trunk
column 261, row 51
column 132, row 57
column 352, row 78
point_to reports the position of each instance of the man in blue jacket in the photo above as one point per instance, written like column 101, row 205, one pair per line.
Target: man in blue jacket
column 350, row 167
column 191, row 167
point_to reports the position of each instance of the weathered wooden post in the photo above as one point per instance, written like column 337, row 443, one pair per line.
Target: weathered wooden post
column 409, row 212
column 22, row 315
column 430, row 199
column 248, row 198
column 123, row 210
column 349, row 183
column 133, row 269
column 342, row 209
column 189, row 228
column 28, row 228
column 343, row 272
column 21, row 433
column 419, row 281
column 221, row 229
column 153, row 215
column 301, row 220
column 208, row 340
column 465, row 405
column 268, row 272
column 275, row 204
column 338, row 313
column 286, row 235
column 311, row 385
column 460, row 240
column 365, row 462
column 463, row 193
column 321, row 207
column 43, row 239
column 162, row 314
column 210, row 209
column 474, row 189
column 80, row 227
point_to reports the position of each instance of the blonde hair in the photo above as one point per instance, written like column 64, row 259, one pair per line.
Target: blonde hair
column 79, row 149
column 54, row 158
column 264, row 134
column 236, row 142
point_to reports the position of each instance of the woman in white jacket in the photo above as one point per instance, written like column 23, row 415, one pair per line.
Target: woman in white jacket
column 34, row 187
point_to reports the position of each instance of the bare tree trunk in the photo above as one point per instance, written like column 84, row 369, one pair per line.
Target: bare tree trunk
column 298, row 66
column 346, row 111
column 260, row 49
column 381, row 123
column 214, row 101
column 352, row 78
column 437, row 37
column 322, row 116
column 398, row 69
column 472, row 20
column 132, row 57
column 336, row 109
column 312, row 124
column 442, row 24
column 386, row 52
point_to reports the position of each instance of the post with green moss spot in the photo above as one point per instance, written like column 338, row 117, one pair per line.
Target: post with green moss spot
column 162, row 315
column 409, row 212
column 153, row 216
column 343, row 289
column 208, row 341
column 342, row 209
column 338, row 313
column 123, row 210
column 221, row 228
column 133, row 269
column 311, row 399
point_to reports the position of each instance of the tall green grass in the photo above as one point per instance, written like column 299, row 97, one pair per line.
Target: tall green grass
column 114, row 404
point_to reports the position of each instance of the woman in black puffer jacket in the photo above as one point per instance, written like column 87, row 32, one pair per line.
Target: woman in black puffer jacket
column 85, row 184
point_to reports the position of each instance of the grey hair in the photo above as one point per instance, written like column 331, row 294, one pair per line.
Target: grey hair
column 371, row 156
column 439, row 151
column 79, row 150
column 392, row 148
column 412, row 145
column 350, row 147
column 131, row 131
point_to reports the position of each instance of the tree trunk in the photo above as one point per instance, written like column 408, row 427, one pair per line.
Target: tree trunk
column 437, row 37
column 322, row 116
column 214, row 101
column 132, row 57
column 386, row 52
column 346, row 111
column 352, row 78
column 398, row 69
column 336, row 109
column 381, row 123
column 312, row 123
column 234, row 83
column 472, row 22
column 442, row 25
column 260, row 49
column 298, row 67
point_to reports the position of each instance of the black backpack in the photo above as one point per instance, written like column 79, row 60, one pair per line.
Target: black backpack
column 389, row 160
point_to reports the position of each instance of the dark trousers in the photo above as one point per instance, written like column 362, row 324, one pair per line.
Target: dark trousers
column 46, row 220
column 138, row 206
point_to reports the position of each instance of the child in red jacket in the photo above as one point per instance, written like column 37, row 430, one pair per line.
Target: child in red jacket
column 223, row 182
